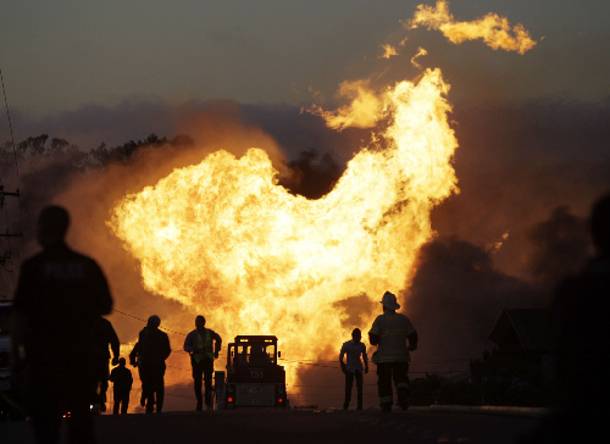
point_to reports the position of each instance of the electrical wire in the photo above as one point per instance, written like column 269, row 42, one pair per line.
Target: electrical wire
column 307, row 362
column 145, row 321
column 368, row 388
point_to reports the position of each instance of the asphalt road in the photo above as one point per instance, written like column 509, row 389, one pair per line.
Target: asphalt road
column 264, row 426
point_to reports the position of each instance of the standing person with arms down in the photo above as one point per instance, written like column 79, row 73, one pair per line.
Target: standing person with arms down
column 390, row 332
column 354, row 349
column 149, row 355
column 121, row 386
column 61, row 294
column 203, row 345
column 105, row 338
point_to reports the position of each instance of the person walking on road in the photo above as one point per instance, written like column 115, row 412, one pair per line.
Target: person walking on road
column 353, row 368
column 60, row 296
column 149, row 355
column 121, row 386
column 390, row 332
column 203, row 345
column 105, row 337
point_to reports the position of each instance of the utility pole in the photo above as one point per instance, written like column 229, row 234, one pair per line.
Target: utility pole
column 3, row 196
column 6, row 256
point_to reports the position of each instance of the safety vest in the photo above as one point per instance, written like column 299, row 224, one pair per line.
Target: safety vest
column 202, row 347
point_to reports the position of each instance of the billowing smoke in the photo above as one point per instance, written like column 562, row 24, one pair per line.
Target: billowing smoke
column 312, row 175
column 458, row 292
column 560, row 246
column 456, row 296
column 517, row 164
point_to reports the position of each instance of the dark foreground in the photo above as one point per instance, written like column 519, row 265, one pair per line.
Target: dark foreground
column 264, row 426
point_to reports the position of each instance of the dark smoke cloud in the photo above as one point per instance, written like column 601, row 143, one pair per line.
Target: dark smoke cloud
column 312, row 175
column 458, row 292
column 516, row 164
column 560, row 246
column 455, row 298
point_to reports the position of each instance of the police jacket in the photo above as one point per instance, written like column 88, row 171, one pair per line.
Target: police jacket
column 60, row 294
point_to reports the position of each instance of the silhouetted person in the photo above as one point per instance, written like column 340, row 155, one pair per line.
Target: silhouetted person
column 241, row 358
column 121, row 386
column 258, row 356
column 203, row 345
column 581, row 309
column 60, row 296
column 390, row 332
column 149, row 355
column 105, row 338
column 356, row 355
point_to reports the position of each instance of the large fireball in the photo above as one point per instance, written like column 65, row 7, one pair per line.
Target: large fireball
column 226, row 240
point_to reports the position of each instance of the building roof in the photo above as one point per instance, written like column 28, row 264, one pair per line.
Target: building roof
column 529, row 329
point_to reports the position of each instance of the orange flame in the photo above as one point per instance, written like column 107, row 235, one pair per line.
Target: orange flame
column 363, row 111
column 389, row 51
column 492, row 28
column 421, row 52
column 224, row 239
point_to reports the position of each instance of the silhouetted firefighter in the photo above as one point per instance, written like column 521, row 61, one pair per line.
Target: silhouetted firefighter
column 203, row 345
column 581, row 309
column 121, row 386
column 104, row 337
column 353, row 369
column 390, row 332
column 60, row 297
column 149, row 355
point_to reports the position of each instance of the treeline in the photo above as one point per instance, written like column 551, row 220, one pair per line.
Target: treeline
column 44, row 146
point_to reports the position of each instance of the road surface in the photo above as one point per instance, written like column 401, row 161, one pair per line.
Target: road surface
column 293, row 426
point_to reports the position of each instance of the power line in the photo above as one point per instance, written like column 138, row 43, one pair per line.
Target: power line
column 313, row 364
column 145, row 321
column 309, row 362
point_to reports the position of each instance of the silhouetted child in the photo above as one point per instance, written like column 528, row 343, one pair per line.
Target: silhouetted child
column 122, row 380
